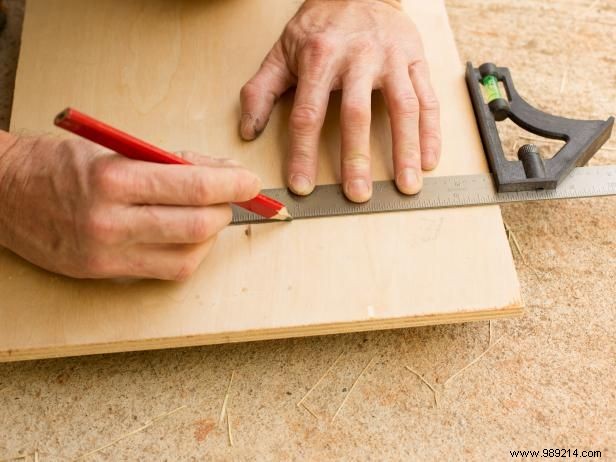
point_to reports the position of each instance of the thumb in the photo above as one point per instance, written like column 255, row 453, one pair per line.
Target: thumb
column 259, row 94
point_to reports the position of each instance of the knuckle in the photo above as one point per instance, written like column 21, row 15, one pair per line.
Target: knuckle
column 74, row 148
column 106, row 177
column 305, row 118
column 291, row 31
column 245, row 186
column 200, row 190
column 319, row 47
column 408, row 156
column 100, row 228
column 248, row 91
column 429, row 135
column 364, row 44
column 186, row 269
column 405, row 104
column 301, row 159
column 431, row 103
column 199, row 229
column 419, row 67
column 357, row 114
column 70, row 146
column 355, row 161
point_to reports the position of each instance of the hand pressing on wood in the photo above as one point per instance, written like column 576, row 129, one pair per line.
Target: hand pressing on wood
column 356, row 46
column 71, row 208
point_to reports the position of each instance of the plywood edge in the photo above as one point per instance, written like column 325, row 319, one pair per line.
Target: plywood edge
column 61, row 351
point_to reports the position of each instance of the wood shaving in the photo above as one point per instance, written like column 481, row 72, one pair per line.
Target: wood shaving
column 352, row 388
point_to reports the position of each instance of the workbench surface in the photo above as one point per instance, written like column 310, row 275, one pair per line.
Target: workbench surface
column 547, row 381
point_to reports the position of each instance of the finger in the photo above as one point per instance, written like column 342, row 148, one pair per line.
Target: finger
column 403, row 108
column 259, row 94
column 167, row 262
column 308, row 115
column 201, row 159
column 429, row 115
column 176, row 225
column 355, row 117
column 144, row 183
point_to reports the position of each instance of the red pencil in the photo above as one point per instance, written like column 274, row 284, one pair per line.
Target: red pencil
column 129, row 146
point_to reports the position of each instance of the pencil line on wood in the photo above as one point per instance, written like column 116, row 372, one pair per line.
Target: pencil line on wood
column 229, row 429
column 329, row 369
column 420, row 377
column 127, row 435
column 474, row 361
column 311, row 411
column 224, row 403
column 352, row 388
column 13, row 459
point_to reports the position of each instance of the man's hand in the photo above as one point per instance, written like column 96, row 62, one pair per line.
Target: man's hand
column 71, row 208
column 358, row 46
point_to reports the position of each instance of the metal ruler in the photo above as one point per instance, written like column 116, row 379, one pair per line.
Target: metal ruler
column 437, row 192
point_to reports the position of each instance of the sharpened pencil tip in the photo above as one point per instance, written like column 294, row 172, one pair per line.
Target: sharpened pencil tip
column 283, row 215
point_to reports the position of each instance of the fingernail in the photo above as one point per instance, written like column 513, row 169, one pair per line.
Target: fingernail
column 230, row 162
column 301, row 184
column 409, row 181
column 247, row 127
column 358, row 190
column 429, row 160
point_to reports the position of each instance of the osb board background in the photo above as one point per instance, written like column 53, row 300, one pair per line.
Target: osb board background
column 547, row 381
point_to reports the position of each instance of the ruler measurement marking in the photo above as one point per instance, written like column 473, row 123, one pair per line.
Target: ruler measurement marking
column 438, row 192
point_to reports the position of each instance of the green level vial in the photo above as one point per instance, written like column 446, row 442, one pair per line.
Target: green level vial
column 490, row 83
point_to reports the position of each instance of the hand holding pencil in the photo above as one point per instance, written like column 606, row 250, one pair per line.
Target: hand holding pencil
column 72, row 207
column 133, row 148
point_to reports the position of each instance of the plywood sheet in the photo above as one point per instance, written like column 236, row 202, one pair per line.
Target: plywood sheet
column 170, row 72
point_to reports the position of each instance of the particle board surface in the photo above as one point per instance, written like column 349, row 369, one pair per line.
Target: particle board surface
column 170, row 72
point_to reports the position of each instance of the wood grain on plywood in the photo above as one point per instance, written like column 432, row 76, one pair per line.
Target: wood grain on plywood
column 170, row 72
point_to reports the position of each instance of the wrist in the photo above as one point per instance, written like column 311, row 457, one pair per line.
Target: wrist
column 7, row 142
column 7, row 145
